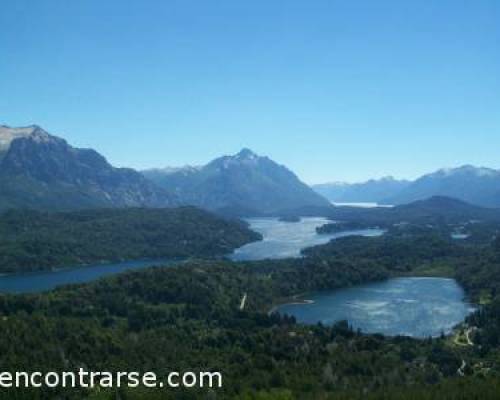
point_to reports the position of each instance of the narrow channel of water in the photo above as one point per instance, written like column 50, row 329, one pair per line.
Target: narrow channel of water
column 281, row 239
column 287, row 239
column 46, row 280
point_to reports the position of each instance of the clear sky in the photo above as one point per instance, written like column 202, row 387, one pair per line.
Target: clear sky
column 336, row 90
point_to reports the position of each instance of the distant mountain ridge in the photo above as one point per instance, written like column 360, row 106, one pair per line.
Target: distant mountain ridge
column 444, row 208
column 475, row 185
column 373, row 190
column 244, row 184
column 42, row 171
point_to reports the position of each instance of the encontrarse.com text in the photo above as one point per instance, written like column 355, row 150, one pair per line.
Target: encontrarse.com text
column 90, row 379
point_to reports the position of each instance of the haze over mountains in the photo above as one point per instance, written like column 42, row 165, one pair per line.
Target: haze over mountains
column 446, row 209
column 476, row 185
column 374, row 190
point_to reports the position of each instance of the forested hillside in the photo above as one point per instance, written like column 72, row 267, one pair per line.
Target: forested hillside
column 33, row 240
column 189, row 318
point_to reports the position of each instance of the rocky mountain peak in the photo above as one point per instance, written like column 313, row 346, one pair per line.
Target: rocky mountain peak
column 464, row 170
column 39, row 170
column 246, row 153
column 242, row 184
column 8, row 134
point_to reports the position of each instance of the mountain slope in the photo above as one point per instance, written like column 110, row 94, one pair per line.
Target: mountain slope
column 244, row 184
column 38, row 170
column 446, row 208
column 37, row 240
column 436, row 208
column 374, row 190
column 474, row 185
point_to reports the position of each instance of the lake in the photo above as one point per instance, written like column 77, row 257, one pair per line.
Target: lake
column 362, row 205
column 281, row 239
column 418, row 307
column 287, row 239
column 46, row 280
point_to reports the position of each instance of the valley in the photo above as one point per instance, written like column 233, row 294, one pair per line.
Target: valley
column 250, row 200
column 476, row 185
column 390, row 301
column 269, row 239
column 145, row 318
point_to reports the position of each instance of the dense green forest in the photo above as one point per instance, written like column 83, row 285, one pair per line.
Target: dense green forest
column 33, row 240
column 342, row 226
column 189, row 317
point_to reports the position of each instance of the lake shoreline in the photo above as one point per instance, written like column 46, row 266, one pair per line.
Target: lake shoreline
column 153, row 262
column 388, row 308
column 46, row 280
column 288, row 240
column 289, row 301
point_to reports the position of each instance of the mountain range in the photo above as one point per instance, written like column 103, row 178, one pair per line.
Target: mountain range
column 475, row 185
column 42, row 171
column 241, row 184
column 445, row 209
column 373, row 190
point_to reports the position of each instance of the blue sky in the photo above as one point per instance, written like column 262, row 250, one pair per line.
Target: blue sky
column 336, row 90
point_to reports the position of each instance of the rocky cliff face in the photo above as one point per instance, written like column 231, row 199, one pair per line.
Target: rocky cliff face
column 39, row 170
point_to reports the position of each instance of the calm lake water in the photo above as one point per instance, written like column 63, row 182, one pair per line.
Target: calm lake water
column 418, row 307
column 287, row 239
column 46, row 280
column 281, row 239
column 362, row 205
